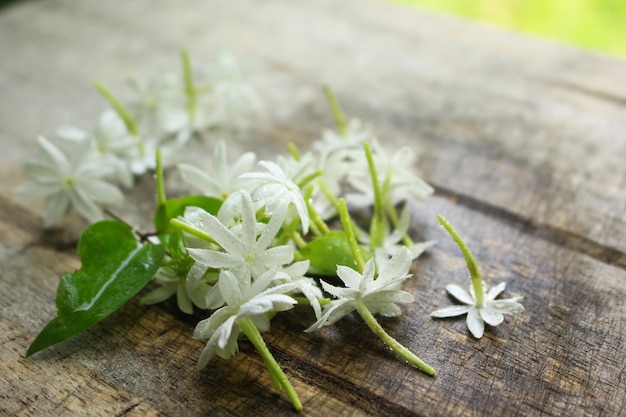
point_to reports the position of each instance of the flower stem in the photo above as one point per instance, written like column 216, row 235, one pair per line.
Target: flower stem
column 185, row 227
column 293, row 150
column 160, row 183
column 346, row 221
column 190, row 90
column 335, row 109
column 278, row 376
column 477, row 281
column 373, row 324
column 377, row 228
column 313, row 214
column 131, row 126
column 305, row 301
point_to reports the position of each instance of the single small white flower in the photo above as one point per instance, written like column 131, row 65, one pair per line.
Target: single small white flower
column 333, row 143
column 276, row 188
column 396, row 176
column 77, row 182
column 242, row 253
column 150, row 97
column 379, row 294
column 111, row 141
column 490, row 311
column 243, row 300
column 480, row 308
column 234, row 99
column 223, row 178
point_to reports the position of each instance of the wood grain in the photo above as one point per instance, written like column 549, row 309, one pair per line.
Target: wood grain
column 524, row 141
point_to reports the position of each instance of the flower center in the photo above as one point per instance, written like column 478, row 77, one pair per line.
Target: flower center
column 69, row 182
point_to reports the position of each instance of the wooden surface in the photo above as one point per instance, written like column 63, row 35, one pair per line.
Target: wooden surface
column 524, row 141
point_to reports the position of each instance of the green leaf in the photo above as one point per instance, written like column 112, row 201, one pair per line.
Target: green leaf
column 175, row 207
column 328, row 251
column 115, row 267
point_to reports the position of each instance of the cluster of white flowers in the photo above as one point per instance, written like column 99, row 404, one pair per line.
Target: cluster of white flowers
column 165, row 113
column 251, row 254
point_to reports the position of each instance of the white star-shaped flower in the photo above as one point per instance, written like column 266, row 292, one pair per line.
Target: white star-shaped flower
column 379, row 294
column 223, row 178
column 491, row 312
column 242, row 253
column 77, row 182
column 243, row 300
column 396, row 175
column 480, row 305
column 276, row 188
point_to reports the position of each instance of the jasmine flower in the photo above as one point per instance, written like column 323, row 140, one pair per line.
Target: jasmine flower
column 223, row 178
column 243, row 300
column 241, row 252
column 77, row 182
column 275, row 188
column 378, row 294
column 395, row 174
column 480, row 308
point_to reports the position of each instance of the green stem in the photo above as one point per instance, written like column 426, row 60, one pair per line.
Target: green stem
column 293, row 150
column 190, row 90
column 131, row 126
column 278, row 376
column 297, row 239
column 335, row 109
column 377, row 228
column 160, row 182
column 185, row 227
column 373, row 324
column 477, row 281
column 305, row 301
column 346, row 221
column 313, row 214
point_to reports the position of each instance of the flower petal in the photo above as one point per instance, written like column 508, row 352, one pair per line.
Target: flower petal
column 495, row 291
column 214, row 259
column 508, row 306
column 350, row 277
column 491, row 316
column 451, row 311
column 56, row 208
column 460, row 294
column 475, row 323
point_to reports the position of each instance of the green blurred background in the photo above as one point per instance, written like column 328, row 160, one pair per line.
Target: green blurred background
column 592, row 24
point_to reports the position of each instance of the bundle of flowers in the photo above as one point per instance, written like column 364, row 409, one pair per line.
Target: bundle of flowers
column 256, row 240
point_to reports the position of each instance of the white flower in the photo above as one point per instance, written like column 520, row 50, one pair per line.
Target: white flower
column 234, row 99
column 395, row 175
column 491, row 312
column 223, row 178
column 379, row 294
column 77, row 182
column 275, row 188
column 151, row 96
column 111, row 141
column 333, row 143
column 243, row 254
column 242, row 300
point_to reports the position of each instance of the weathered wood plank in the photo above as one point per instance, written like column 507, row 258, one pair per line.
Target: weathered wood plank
column 525, row 142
